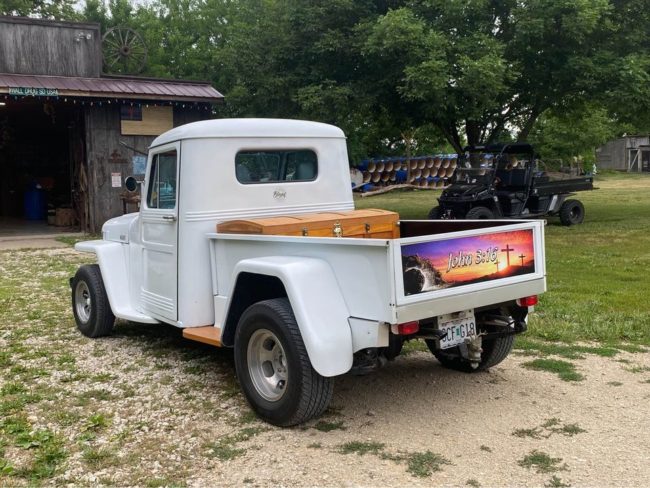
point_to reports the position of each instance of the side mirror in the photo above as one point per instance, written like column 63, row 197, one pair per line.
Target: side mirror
column 131, row 184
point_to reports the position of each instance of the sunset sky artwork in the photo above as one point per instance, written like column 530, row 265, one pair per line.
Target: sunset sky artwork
column 470, row 258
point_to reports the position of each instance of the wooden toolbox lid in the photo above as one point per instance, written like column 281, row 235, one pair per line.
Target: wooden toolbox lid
column 297, row 224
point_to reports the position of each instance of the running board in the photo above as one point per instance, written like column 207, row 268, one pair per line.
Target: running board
column 208, row 334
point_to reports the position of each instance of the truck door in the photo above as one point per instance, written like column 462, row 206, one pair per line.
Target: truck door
column 159, row 216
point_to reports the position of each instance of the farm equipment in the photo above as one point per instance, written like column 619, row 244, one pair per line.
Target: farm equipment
column 504, row 180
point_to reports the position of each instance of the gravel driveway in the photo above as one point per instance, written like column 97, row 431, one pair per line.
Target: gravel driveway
column 145, row 407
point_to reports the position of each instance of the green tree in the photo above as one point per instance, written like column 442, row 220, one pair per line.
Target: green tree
column 45, row 9
column 487, row 67
column 574, row 133
column 402, row 76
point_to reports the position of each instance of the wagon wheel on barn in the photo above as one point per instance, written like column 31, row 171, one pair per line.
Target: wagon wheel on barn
column 124, row 51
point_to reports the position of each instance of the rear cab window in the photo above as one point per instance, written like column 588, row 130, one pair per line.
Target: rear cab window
column 274, row 166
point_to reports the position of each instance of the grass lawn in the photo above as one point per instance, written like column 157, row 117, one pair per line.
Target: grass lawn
column 597, row 273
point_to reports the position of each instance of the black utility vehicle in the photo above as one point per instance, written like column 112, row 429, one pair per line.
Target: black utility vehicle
column 503, row 180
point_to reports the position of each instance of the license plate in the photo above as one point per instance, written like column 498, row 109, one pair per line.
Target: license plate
column 458, row 327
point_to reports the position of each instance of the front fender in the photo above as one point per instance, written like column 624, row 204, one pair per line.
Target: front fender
column 112, row 260
column 317, row 303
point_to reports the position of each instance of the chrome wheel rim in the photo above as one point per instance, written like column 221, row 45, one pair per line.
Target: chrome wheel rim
column 267, row 365
column 83, row 304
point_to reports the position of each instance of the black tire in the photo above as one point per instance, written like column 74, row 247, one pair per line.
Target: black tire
column 434, row 213
column 90, row 305
column 572, row 212
column 494, row 352
column 305, row 394
column 479, row 213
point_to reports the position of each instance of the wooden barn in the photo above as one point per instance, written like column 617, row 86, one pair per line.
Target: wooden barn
column 628, row 153
column 69, row 133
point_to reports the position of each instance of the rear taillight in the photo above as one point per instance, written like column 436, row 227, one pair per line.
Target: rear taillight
column 527, row 301
column 408, row 328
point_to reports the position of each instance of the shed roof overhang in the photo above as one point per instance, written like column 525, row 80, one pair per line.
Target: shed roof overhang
column 121, row 87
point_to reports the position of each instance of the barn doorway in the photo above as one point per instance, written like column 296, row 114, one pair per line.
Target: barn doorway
column 639, row 159
column 41, row 143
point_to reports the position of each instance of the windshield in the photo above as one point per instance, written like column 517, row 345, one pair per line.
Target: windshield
column 472, row 176
column 475, row 168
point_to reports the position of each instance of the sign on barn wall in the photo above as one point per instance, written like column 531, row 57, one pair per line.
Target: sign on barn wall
column 146, row 121
column 139, row 164
column 24, row 91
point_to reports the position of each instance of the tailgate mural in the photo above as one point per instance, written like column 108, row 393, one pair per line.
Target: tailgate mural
column 436, row 265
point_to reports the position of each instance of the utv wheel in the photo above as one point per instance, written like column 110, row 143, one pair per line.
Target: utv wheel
column 479, row 213
column 494, row 352
column 273, row 367
column 434, row 213
column 572, row 212
column 90, row 306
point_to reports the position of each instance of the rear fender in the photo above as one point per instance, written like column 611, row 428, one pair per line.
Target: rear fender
column 317, row 303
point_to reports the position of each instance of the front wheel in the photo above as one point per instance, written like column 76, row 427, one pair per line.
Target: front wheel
column 572, row 212
column 90, row 305
column 479, row 213
column 434, row 213
column 273, row 367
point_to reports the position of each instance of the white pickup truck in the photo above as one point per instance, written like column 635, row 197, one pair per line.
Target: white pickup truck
column 301, row 307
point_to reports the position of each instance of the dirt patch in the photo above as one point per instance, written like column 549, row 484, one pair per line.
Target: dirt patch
column 7, row 244
column 145, row 407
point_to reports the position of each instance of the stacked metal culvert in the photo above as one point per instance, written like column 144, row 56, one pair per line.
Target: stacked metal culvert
column 431, row 171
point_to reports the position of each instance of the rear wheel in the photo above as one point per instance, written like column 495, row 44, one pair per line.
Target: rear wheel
column 479, row 213
column 572, row 212
column 434, row 213
column 273, row 367
column 494, row 352
column 90, row 305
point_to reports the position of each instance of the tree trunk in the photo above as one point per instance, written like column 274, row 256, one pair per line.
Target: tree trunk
column 530, row 122
column 473, row 132
column 451, row 134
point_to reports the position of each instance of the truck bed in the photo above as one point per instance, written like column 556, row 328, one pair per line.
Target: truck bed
column 434, row 268
column 543, row 186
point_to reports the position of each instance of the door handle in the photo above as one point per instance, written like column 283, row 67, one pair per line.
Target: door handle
column 171, row 218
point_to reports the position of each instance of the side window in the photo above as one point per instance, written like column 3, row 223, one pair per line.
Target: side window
column 162, row 181
column 276, row 166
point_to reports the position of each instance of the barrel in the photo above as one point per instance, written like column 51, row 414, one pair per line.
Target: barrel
column 35, row 205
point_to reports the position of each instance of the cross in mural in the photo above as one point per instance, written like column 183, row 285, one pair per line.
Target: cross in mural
column 522, row 256
column 507, row 250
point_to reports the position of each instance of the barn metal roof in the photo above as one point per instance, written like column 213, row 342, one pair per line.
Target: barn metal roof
column 109, row 87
